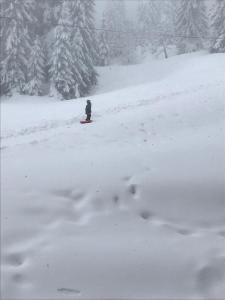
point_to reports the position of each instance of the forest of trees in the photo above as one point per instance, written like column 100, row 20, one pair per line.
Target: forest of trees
column 54, row 46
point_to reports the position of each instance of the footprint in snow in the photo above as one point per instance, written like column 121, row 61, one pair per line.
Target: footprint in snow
column 127, row 178
column 211, row 276
column 116, row 199
column 18, row 278
column 15, row 259
column 133, row 189
column 62, row 193
column 183, row 231
column 146, row 214
column 68, row 291
column 69, row 194
column 222, row 233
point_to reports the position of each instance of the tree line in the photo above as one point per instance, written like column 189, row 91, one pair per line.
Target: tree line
column 187, row 25
column 48, row 41
column 52, row 47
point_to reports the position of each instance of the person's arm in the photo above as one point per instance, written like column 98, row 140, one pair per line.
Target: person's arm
column 88, row 109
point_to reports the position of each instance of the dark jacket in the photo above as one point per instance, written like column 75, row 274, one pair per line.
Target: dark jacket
column 88, row 108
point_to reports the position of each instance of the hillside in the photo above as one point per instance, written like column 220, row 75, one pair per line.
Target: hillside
column 130, row 206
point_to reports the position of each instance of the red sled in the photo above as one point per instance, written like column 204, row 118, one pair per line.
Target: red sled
column 85, row 122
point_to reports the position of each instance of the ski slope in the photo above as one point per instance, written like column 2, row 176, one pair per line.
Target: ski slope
column 130, row 206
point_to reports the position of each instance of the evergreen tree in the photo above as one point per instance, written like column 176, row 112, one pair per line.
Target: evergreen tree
column 83, row 45
column 168, row 17
column 149, row 19
column 50, row 13
column 191, row 25
column 130, row 39
column 218, row 24
column 61, row 70
column 17, row 44
column 88, row 40
column 39, row 24
column 95, row 57
column 166, row 27
column 80, row 69
column 3, row 85
column 36, row 68
column 103, row 46
column 89, row 34
column 115, row 19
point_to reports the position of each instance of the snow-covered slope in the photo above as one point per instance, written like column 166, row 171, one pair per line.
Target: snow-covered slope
column 130, row 206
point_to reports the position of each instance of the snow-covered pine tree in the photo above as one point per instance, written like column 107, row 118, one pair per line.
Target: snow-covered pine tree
column 3, row 86
column 129, row 55
column 218, row 25
column 115, row 19
column 103, row 45
column 166, row 27
column 169, row 9
column 191, row 25
column 168, row 21
column 51, row 13
column 61, row 70
column 95, row 57
column 36, row 68
column 38, row 26
column 17, row 44
column 90, row 38
column 83, row 45
column 149, row 19
column 80, row 70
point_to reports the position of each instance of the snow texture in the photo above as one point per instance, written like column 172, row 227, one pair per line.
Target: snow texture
column 129, row 206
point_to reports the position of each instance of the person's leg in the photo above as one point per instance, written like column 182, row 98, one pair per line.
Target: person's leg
column 88, row 117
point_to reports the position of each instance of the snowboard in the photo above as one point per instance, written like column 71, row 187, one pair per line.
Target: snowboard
column 85, row 122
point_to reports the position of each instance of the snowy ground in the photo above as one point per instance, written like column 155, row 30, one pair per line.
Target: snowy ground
column 130, row 206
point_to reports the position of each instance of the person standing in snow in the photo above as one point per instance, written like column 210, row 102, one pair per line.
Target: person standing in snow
column 88, row 110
